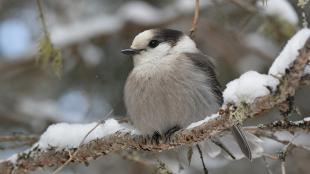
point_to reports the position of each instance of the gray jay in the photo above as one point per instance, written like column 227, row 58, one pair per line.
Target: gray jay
column 171, row 85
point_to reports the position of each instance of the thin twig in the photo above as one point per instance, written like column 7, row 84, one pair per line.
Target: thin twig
column 223, row 147
column 283, row 170
column 195, row 20
column 283, row 154
column 42, row 18
column 202, row 160
column 81, row 143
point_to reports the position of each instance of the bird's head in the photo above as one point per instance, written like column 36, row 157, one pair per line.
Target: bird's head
column 154, row 44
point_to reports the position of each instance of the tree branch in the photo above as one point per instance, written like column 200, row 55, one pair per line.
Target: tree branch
column 195, row 19
column 290, row 126
column 35, row 158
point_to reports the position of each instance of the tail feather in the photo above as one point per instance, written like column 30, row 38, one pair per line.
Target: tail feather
column 242, row 141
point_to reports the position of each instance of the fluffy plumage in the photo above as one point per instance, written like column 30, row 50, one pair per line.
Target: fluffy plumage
column 171, row 85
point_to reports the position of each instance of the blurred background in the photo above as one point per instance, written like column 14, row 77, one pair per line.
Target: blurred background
column 240, row 35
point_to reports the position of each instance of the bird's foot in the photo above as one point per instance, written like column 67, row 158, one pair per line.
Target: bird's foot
column 170, row 132
column 156, row 137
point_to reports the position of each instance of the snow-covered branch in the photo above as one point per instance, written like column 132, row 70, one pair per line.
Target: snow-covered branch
column 62, row 140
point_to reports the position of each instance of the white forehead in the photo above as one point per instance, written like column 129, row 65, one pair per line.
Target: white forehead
column 142, row 39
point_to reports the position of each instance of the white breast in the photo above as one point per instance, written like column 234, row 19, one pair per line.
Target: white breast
column 162, row 94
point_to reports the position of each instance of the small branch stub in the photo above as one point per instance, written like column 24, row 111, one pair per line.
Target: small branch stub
column 195, row 20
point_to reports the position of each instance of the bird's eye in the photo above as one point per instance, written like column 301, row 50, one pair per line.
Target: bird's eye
column 153, row 43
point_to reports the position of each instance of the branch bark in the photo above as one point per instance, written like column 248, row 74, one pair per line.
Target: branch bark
column 35, row 158
column 268, row 130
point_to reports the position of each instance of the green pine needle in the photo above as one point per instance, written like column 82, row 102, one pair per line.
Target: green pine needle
column 49, row 56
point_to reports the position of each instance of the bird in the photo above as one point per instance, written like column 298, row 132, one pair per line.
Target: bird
column 172, row 85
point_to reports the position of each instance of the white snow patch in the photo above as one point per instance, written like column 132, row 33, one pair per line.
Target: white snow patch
column 290, row 53
column 65, row 135
column 307, row 119
column 249, row 86
column 208, row 118
column 280, row 8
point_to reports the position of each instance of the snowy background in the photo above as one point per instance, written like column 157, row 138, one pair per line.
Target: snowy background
column 241, row 37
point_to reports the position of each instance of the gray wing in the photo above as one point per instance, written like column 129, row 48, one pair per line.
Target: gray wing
column 204, row 63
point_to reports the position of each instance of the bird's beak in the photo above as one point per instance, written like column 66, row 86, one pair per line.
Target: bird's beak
column 130, row 51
